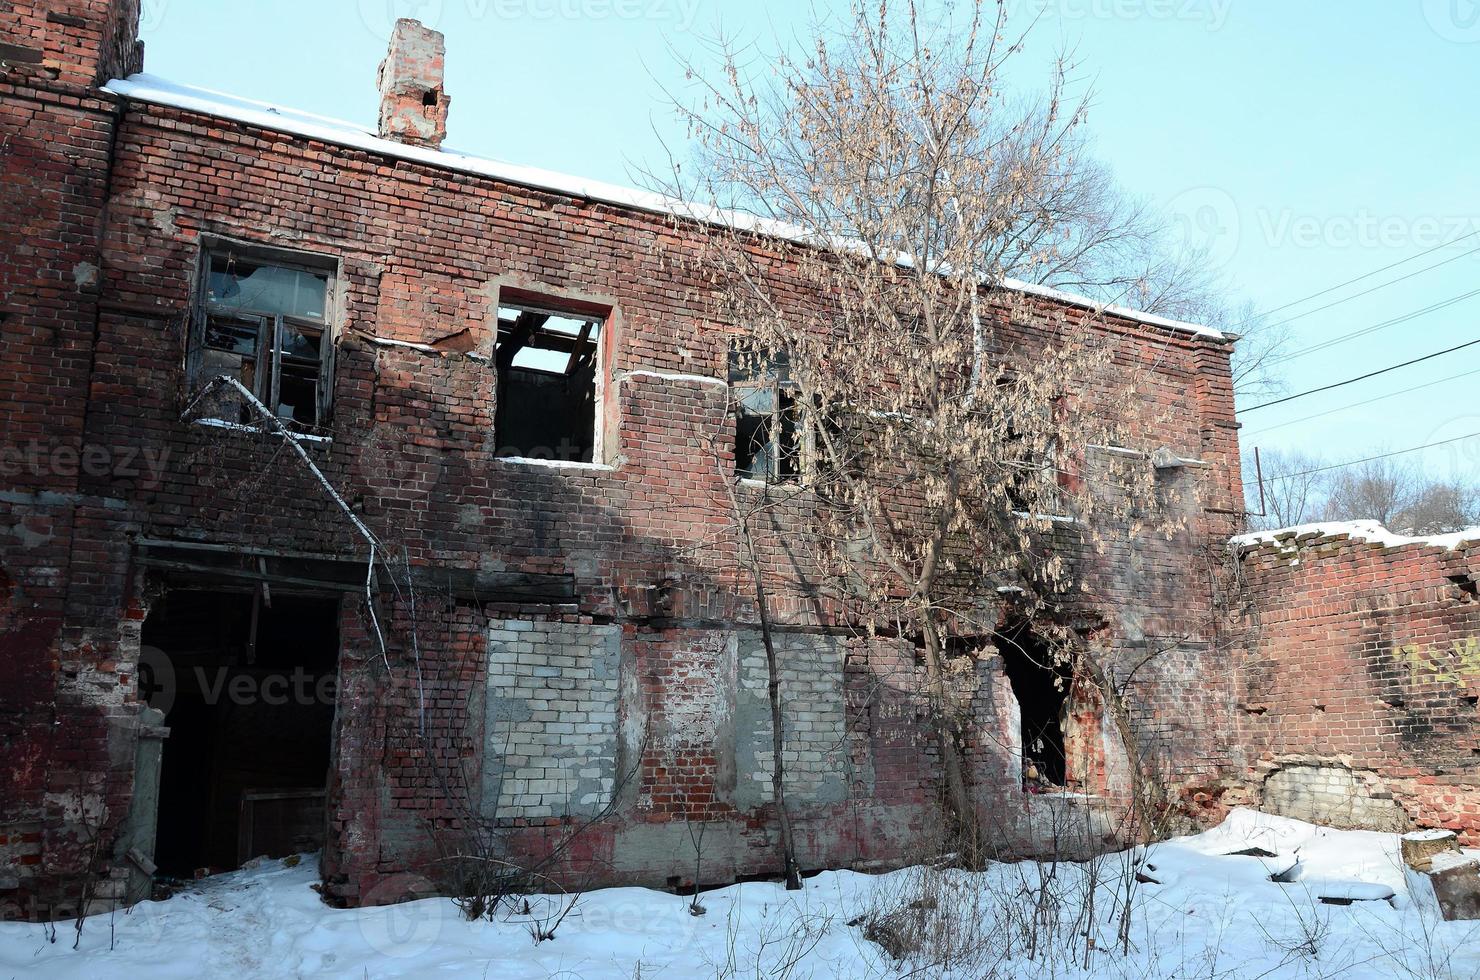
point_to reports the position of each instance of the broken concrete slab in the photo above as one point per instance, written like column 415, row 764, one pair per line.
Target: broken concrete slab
column 1456, row 881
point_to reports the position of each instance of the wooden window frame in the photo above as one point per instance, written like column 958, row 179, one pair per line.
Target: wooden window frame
column 787, row 400
column 269, row 347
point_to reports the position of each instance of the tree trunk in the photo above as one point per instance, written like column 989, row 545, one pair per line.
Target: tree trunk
column 960, row 813
column 778, row 771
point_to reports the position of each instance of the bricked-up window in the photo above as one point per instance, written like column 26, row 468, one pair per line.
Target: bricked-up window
column 266, row 323
column 549, row 383
column 769, row 430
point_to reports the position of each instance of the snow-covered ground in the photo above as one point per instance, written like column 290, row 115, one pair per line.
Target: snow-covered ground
column 1205, row 911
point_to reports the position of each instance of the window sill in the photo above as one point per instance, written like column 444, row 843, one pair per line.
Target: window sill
column 795, row 488
column 1051, row 518
column 239, row 427
column 556, row 464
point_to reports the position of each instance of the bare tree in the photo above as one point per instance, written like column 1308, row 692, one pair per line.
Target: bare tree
column 1299, row 488
column 1442, row 507
column 1292, row 492
column 941, row 416
column 747, row 510
column 1381, row 490
column 1177, row 282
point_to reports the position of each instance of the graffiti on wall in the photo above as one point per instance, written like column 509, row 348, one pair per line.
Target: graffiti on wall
column 1457, row 666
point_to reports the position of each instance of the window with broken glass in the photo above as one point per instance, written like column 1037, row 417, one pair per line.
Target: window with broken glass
column 549, row 383
column 1030, row 452
column 265, row 323
column 771, row 437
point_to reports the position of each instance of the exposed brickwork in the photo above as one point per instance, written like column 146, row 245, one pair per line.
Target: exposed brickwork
column 413, row 105
column 110, row 204
column 1364, row 660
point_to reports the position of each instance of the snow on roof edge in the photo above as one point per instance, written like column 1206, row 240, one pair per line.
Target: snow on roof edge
column 159, row 91
column 1369, row 531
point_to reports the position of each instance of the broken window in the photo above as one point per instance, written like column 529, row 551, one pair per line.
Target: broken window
column 768, row 427
column 549, row 383
column 1030, row 456
column 779, row 435
column 265, row 323
column 1040, row 681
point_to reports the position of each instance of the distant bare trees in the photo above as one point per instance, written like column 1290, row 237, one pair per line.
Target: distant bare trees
column 1293, row 493
column 1298, row 489
column 1444, row 507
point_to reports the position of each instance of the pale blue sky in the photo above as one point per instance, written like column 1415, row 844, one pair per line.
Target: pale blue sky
column 1306, row 143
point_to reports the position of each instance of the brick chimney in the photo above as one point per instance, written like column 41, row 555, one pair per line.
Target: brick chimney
column 413, row 107
column 70, row 43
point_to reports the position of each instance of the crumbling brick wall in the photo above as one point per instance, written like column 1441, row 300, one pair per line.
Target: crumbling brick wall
column 64, row 716
column 1359, row 684
column 116, row 198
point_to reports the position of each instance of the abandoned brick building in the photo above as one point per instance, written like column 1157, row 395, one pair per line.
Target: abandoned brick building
column 503, row 375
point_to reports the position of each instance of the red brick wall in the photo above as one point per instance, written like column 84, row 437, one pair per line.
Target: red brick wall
column 56, row 136
column 98, row 360
column 1366, row 658
column 76, row 43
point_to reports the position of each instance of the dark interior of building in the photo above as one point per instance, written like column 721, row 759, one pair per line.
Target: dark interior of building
column 248, row 688
column 1041, row 686
column 546, row 399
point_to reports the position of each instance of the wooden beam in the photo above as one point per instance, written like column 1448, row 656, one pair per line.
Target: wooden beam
column 524, row 328
column 332, row 573
column 16, row 54
column 580, row 350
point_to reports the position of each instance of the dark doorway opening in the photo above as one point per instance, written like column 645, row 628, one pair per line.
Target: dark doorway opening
column 248, row 688
column 1041, row 685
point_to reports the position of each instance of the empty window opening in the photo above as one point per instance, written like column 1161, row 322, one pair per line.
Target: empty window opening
column 1041, row 686
column 266, row 324
column 248, row 687
column 549, row 385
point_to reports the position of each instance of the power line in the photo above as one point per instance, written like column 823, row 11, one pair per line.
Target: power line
column 1381, row 285
column 1365, row 401
column 1365, row 275
column 1363, row 377
column 1374, row 328
column 1369, row 459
